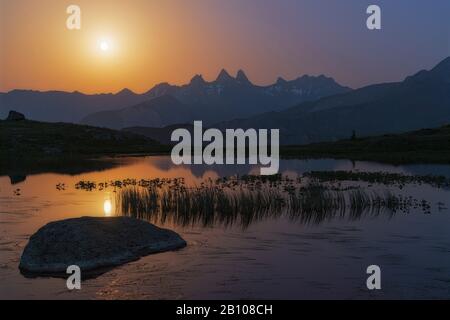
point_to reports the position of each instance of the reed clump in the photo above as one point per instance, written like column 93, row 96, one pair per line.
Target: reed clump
column 247, row 199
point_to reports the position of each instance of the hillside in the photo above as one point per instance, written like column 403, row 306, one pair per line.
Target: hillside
column 422, row 146
column 60, row 106
column 420, row 101
column 36, row 140
column 162, row 135
column 151, row 113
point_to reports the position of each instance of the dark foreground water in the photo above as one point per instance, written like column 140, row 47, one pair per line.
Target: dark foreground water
column 272, row 258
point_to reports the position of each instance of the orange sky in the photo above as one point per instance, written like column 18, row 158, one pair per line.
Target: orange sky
column 154, row 41
column 171, row 40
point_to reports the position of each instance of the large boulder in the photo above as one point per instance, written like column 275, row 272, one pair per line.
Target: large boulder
column 15, row 116
column 92, row 244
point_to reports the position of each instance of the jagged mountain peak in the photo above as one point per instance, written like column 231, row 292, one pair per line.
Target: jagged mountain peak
column 125, row 91
column 224, row 76
column 197, row 79
column 304, row 77
column 241, row 77
column 281, row 81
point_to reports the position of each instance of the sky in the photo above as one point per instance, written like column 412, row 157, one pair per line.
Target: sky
column 154, row 41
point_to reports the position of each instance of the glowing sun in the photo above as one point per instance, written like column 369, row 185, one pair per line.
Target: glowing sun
column 104, row 45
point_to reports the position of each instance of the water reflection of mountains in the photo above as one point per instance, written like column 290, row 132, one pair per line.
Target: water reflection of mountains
column 18, row 171
column 297, row 166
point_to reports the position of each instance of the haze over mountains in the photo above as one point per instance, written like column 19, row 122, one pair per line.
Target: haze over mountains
column 420, row 101
column 225, row 98
column 60, row 106
column 307, row 109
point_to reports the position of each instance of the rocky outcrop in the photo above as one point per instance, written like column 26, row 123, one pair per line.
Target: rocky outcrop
column 93, row 243
column 15, row 116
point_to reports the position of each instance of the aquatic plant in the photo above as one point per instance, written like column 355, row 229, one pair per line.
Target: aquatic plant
column 309, row 199
column 244, row 200
column 385, row 178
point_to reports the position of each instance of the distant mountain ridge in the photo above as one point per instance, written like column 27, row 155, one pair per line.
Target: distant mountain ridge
column 225, row 98
column 200, row 98
column 60, row 106
column 420, row 101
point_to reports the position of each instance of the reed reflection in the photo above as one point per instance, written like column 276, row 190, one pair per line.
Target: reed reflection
column 248, row 199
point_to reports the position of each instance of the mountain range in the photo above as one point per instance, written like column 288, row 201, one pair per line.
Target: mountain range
column 306, row 110
column 225, row 98
column 60, row 106
column 420, row 101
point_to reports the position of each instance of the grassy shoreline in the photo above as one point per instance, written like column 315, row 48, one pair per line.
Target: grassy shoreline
column 31, row 144
column 422, row 146
column 33, row 147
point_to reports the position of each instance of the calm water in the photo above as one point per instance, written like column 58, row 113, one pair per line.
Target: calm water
column 272, row 258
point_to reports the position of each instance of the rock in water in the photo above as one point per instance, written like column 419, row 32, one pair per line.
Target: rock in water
column 93, row 243
column 15, row 116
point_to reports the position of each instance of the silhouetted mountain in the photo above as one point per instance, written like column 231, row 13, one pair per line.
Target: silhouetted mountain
column 125, row 93
column 57, row 106
column 223, row 99
column 420, row 101
column 162, row 109
column 241, row 78
column 224, row 78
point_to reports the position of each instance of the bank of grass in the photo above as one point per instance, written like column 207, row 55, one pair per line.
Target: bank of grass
column 43, row 139
column 25, row 145
column 422, row 146
column 47, row 144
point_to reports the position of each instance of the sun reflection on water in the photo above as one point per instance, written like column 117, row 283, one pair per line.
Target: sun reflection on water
column 107, row 208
